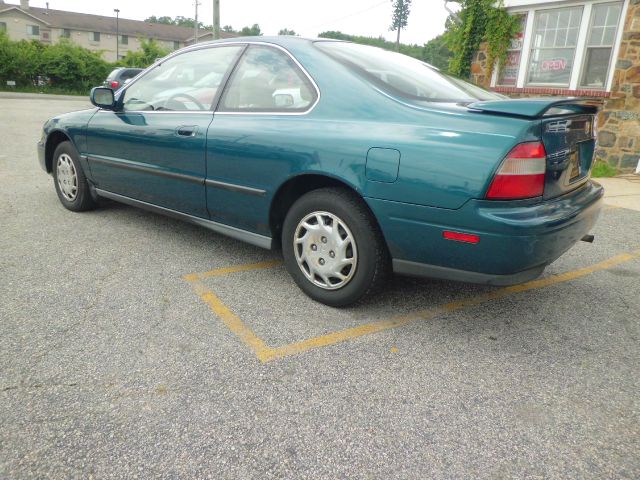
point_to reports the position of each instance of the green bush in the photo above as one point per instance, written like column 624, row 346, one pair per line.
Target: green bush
column 69, row 65
column 63, row 67
column 150, row 52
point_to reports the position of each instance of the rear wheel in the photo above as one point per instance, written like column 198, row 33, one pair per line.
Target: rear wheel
column 333, row 248
column 69, row 179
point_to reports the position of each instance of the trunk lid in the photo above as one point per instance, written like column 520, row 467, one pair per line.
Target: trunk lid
column 567, row 130
column 570, row 145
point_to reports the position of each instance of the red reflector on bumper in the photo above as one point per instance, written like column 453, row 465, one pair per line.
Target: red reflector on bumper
column 461, row 237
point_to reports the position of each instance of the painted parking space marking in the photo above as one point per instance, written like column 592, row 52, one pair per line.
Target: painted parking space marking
column 266, row 353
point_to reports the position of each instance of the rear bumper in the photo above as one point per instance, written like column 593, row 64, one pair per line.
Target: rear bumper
column 414, row 269
column 517, row 239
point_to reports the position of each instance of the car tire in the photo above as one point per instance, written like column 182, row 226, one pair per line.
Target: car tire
column 333, row 247
column 69, row 179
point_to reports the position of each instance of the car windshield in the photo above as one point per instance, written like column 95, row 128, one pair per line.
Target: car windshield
column 403, row 76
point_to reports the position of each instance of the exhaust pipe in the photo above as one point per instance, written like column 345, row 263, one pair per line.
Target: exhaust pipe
column 588, row 238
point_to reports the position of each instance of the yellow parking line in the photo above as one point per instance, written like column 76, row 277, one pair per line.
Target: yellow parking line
column 266, row 353
column 399, row 320
column 232, row 321
column 227, row 270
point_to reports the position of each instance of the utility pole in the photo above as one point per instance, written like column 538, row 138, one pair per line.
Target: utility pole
column 117, row 10
column 195, row 28
column 216, row 19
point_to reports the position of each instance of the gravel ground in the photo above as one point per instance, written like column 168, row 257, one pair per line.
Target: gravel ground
column 112, row 367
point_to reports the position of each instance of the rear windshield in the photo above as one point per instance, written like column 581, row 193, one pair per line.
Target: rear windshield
column 130, row 74
column 404, row 76
column 113, row 74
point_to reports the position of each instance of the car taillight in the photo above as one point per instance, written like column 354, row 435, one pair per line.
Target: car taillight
column 115, row 84
column 521, row 174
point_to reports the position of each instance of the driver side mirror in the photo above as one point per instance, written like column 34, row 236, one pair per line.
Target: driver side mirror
column 103, row 97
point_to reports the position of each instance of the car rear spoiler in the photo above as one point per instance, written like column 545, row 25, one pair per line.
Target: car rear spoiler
column 538, row 107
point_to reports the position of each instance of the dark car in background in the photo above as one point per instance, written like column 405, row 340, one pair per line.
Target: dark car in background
column 119, row 76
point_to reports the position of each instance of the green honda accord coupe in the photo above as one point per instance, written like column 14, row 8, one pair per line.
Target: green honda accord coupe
column 356, row 161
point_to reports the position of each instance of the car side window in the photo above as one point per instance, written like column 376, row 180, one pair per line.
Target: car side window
column 186, row 82
column 268, row 80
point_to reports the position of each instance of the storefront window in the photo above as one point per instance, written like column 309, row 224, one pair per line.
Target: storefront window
column 600, row 40
column 509, row 72
column 553, row 46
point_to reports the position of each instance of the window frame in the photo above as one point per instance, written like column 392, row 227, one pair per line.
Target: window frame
column 3, row 27
column 123, row 40
column 216, row 99
column 528, row 66
column 583, row 61
column 580, row 52
column 276, row 111
column 65, row 33
column 92, row 37
column 224, row 82
column 30, row 29
column 499, row 79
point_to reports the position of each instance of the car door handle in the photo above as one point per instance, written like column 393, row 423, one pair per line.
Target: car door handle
column 187, row 130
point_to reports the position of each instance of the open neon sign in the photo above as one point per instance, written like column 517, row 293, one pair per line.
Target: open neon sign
column 555, row 64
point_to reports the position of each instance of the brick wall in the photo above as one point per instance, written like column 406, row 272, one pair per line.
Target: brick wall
column 619, row 123
column 619, row 120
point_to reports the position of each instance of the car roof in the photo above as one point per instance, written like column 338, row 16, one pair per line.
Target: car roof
column 282, row 40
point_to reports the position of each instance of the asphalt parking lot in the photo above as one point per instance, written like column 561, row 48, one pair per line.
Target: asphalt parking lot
column 137, row 346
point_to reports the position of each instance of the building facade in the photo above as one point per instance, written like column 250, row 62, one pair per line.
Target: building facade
column 582, row 48
column 112, row 37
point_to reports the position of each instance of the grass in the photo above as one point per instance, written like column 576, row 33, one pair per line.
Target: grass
column 602, row 169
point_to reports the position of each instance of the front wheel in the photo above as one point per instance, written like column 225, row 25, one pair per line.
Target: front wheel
column 333, row 247
column 69, row 179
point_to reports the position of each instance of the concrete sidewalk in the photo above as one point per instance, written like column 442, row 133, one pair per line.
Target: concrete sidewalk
column 622, row 191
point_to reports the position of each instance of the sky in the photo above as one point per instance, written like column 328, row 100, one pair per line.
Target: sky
column 307, row 18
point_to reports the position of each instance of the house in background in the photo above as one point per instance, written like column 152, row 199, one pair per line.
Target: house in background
column 583, row 48
column 94, row 32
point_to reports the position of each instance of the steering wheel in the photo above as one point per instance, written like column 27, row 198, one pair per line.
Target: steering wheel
column 187, row 97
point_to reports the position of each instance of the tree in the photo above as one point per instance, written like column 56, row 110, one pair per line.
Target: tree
column 480, row 21
column 151, row 51
column 437, row 53
column 253, row 31
column 187, row 22
column 179, row 21
column 163, row 20
column 286, row 31
column 400, row 18
column 414, row 51
column 228, row 29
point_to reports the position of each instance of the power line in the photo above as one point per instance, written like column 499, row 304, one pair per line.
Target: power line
column 350, row 15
